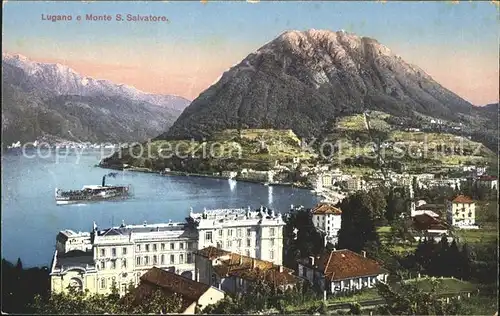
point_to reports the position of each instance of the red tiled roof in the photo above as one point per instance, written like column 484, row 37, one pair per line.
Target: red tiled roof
column 487, row 178
column 345, row 264
column 462, row 199
column 211, row 252
column 248, row 268
column 425, row 222
column 323, row 209
column 169, row 283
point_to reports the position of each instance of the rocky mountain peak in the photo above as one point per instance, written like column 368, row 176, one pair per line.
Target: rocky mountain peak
column 304, row 79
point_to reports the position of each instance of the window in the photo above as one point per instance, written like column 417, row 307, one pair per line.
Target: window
column 181, row 258
column 181, row 246
column 230, row 233
column 124, row 251
column 103, row 252
column 138, row 261
column 271, row 231
column 155, row 259
column 138, row 248
column 103, row 283
column 162, row 246
column 172, row 246
column 190, row 245
column 229, row 244
column 172, row 259
column 113, row 264
column 124, row 263
column 155, row 247
column 103, row 265
column 238, row 232
column 146, row 260
column 220, row 233
column 271, row 242
column 147, row 247
column 249, row 242
column 271, row 255
column 239, row 242
column 113, row 252
column 208, row 236
column 249, row 231
column 162, row 259
column 189, row 258
column 248, row 253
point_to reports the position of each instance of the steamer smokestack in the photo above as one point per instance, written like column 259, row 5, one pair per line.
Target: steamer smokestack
column 103, row 180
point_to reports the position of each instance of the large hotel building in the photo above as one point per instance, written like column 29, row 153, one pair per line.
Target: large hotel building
column 120, row 255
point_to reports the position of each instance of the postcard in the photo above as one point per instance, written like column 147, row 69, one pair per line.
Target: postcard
column 250, row 157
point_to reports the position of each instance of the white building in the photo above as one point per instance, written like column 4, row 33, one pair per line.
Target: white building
column 327, row 219
column 356, row 184
column 121, row 255
column 67, row 240
column 257, row 175
column 461, row 212
column 229, row 174
column 257, row 234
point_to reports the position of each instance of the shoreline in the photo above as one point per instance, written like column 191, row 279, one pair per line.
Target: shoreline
column 202, row 175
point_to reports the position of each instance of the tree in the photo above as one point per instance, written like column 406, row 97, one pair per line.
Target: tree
column 401, row 229
column 358, row 225
column 465, row 263
column 355, row 309
column 78, row 302
column 227, row 305
column 378, row 204
column 409, row 299
column 19, row 264
column 394, row 206
column 414, row 185
column 301, row 238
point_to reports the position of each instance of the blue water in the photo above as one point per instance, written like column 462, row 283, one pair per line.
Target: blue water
column 31, row 219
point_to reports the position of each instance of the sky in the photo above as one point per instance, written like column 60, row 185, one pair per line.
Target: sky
column 457, row 44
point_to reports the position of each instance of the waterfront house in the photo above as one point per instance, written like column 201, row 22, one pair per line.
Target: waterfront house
column 461, row 212
column 328, row 219
column 121, row 255
column 229, row 174
column 341, row 270
column 233, row 273
column 193, row 294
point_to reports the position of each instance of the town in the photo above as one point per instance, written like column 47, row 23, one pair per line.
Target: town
column 346, row 254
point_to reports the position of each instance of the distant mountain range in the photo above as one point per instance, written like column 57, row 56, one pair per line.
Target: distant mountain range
column 41, row 99
column 304, row 80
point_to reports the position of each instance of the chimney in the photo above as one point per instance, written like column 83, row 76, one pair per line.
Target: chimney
column 240, row 261
column 363, row 253
column 311, row 260
column 197, row 275
column 281, row 269
column 253, row 263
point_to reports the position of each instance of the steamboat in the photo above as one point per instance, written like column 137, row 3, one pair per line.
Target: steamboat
column 92, row 193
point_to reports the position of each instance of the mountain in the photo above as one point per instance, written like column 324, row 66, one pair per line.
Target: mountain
column 41, row 99
column 304, row 80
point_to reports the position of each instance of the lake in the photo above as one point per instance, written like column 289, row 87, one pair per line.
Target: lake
column 31, row 219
